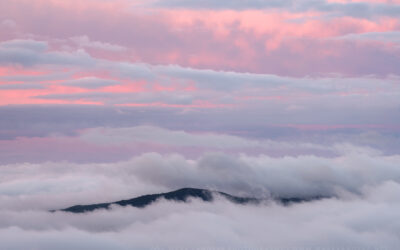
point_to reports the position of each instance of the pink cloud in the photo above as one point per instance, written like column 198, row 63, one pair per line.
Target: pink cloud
column 223, row 40
column 28, row 96
column 277, row 42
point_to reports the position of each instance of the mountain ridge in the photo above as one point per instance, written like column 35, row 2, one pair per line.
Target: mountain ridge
column 179, row 195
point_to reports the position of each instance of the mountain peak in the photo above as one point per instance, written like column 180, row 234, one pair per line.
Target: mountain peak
column 180, row 195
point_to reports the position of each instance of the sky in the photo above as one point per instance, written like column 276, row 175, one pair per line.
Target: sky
column 102, row 100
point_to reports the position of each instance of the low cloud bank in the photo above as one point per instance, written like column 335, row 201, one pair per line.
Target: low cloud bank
column 55, row 185
column 367, row 222
column 362, row 212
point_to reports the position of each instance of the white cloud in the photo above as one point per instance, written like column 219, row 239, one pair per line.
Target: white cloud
column 386, row 37
column 370, row 222
column 55, row 185
column 33, row 52
column 85, row 42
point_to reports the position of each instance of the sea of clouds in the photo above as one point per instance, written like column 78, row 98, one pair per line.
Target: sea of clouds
column 361, row 187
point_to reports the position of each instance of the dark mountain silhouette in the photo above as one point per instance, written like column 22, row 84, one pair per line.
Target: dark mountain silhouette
column 180, row 195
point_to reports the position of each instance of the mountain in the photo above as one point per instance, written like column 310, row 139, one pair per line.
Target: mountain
column 180, row 195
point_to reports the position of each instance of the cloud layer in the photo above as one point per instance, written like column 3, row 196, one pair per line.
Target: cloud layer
column 332, row 223
column 349, row 220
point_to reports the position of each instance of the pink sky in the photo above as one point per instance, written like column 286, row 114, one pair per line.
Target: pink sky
column 188, row 56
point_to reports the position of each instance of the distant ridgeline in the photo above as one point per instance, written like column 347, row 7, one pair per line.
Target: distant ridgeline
column 180, row 195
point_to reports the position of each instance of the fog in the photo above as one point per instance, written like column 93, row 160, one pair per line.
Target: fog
column 370, row 221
